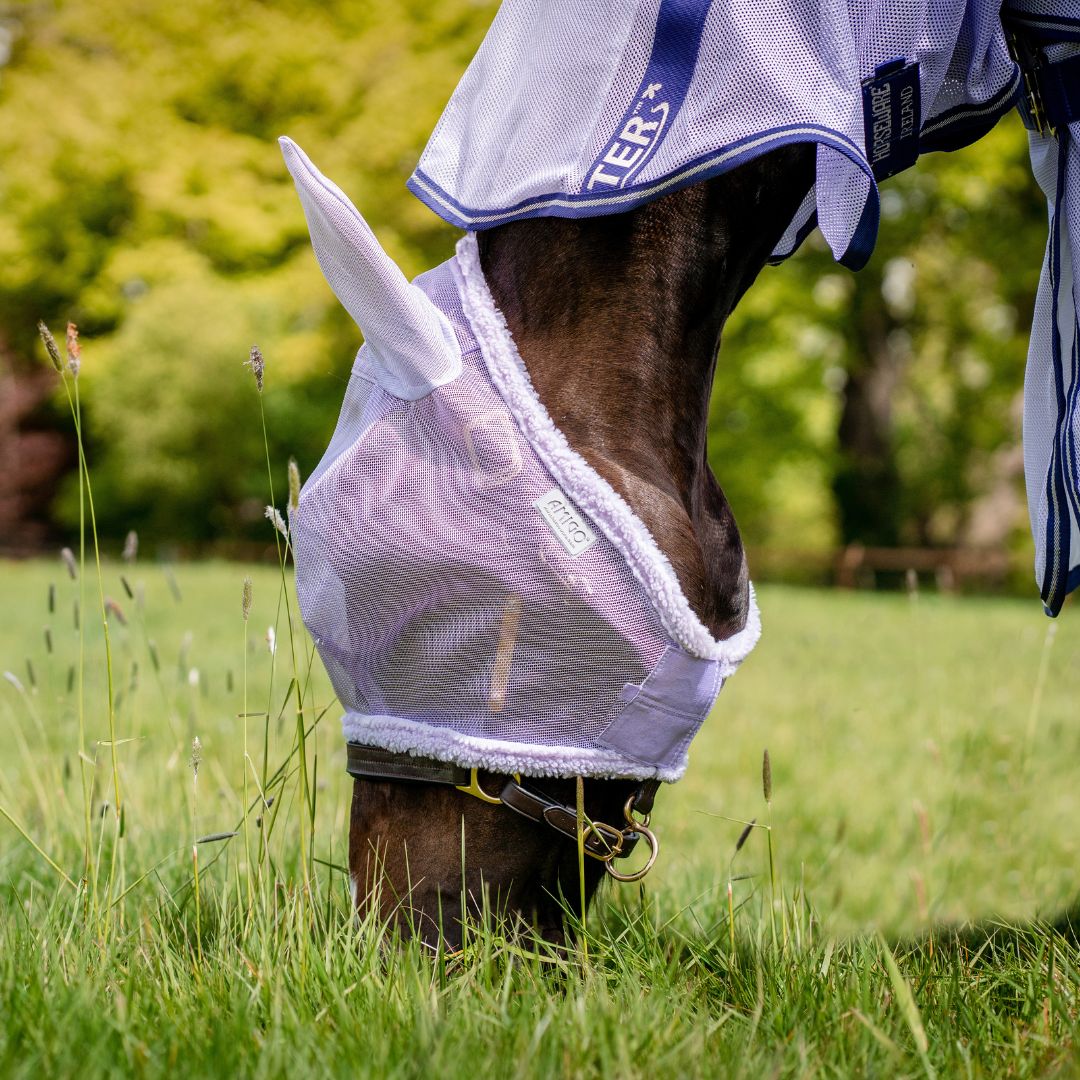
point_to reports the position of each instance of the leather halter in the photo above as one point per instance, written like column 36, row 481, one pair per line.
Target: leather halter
column 601, row 841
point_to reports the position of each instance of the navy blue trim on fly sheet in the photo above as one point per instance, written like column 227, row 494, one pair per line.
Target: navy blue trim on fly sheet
column 1058, row 526
column 573, row 204
column 951, row 130
column 663, row 88
column 964, row 124
column 865, row 236
column 1072, row 582
column 800, row 238
column 1069, row 439
column 594, row 204
column 1049, row 28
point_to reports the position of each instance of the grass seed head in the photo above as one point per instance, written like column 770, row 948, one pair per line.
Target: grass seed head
column 258, row 366
column 68, row 558
column 294, row 485
column 273, row 515
column 766, row 777
column 196, row 756
column 245, row 599
column 113, row 608
column 747, row 829
column 15, row 681
column 131, row 547
column 50, row 346
column 74, row 349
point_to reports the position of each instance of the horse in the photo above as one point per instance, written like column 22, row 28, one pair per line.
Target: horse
column 618, row 320
column 615, row 231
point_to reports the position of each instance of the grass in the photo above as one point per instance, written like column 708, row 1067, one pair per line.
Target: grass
column 915, row 788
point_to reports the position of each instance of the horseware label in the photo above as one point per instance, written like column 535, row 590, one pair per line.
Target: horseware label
column 564, row 519
column 891, row 118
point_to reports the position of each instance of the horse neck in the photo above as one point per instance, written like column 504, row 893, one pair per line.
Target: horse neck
column 618, row 320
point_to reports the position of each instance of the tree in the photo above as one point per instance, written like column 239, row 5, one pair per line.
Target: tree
column 144, row 197
column 894, row 390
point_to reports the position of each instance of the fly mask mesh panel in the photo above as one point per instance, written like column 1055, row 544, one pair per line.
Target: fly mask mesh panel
column 476, row 590
column 435, row 590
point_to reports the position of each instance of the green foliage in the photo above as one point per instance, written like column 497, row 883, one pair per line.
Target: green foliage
column 940, row 315
column 144, row 197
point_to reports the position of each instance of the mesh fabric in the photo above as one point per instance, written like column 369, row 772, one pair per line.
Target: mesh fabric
column 459, row 619
column 554, row 83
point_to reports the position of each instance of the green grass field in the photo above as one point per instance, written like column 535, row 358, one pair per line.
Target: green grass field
column 924, row 777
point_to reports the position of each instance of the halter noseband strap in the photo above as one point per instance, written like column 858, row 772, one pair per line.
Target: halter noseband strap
column 601, row 841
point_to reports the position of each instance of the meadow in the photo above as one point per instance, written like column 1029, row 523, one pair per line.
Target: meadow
column 923, row 818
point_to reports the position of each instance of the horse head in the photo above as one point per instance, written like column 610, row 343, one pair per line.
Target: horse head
column 548, row 348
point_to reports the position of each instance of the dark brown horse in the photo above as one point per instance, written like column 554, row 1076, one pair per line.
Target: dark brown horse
column 618, row 320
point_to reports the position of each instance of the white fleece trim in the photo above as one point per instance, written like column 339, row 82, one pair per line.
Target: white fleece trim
column 592, row 493
column 497, row 755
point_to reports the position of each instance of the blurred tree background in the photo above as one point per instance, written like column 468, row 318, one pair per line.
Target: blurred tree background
column 143, row 196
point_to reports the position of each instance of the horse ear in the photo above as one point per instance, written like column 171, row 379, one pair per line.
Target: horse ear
column 411, row 344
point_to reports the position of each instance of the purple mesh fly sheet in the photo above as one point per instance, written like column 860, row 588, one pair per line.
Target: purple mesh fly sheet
column 586, row 107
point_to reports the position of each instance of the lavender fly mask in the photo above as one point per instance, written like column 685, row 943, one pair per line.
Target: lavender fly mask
column 478, row 593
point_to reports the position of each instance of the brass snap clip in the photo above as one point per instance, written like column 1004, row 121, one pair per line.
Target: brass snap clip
column 641, row 828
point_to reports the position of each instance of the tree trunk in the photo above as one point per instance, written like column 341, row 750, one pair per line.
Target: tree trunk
column 866, row 484
column 33, row 457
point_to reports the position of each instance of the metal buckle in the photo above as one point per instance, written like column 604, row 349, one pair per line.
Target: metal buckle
column 473, row 788
column 640, row 828
column 612, row 838
column 654, row 850
column 1030, row 62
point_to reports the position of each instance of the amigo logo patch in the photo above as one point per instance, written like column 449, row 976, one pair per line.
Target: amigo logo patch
column 564, row 519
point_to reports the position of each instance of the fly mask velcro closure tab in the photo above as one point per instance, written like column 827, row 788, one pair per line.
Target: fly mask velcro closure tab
column 666, row 710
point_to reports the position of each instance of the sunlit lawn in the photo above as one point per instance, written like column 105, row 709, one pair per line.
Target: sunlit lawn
column 919, row 779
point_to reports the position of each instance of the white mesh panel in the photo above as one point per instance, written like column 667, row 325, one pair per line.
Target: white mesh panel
column 436, row 592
